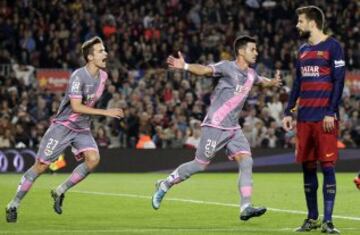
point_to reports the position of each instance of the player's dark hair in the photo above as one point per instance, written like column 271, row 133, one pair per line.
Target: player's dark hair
column 313, row 13
column 87, row 47
column 241, row 42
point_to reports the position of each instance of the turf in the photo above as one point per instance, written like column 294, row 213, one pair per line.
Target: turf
column 205, row 204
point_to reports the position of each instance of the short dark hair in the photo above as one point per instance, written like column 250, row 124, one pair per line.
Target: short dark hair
column 241, row 42
column 87, row 47
column 313, row 13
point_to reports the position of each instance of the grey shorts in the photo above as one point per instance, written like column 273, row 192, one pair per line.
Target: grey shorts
column 214, row 139
column 58, row 137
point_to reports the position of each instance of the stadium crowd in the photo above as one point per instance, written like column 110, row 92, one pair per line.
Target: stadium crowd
column 163, row 109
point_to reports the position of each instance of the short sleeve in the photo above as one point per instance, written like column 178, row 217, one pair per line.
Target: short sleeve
column 258, row 79
column 75, row 87
column 218, row 68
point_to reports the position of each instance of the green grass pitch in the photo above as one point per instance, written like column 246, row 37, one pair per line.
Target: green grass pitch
column 205, row 204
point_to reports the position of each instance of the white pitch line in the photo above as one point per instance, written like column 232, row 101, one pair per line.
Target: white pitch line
column 209, row 203
column 152, row 230
column 147, row 231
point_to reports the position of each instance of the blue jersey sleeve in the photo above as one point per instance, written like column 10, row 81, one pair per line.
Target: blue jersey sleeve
column 295, row 91
column 338, row 78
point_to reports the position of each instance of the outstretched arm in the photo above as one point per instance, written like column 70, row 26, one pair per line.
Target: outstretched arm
column 276, row 81
column 179, row 63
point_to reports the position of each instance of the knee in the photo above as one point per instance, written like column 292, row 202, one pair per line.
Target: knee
column 40, row 167
column 244, row 160
column 324, row 165
column 240, row 156
column 200, row 165
column 309, row 166
column 92, row 159
column 186, row 170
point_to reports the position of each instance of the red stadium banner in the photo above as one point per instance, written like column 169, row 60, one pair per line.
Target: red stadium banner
column 54, row 80
column 353, row 82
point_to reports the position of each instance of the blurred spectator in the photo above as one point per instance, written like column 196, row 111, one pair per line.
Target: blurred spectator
column 5, row 139
column 145, row 142
column 193, row 138
column 40, row 112
column 22, row 138
column 347, row 140
column 178, row 141
column 102, row 140
column 250, row 134
column 158, row 137
column 275, row 108
column 24, row 72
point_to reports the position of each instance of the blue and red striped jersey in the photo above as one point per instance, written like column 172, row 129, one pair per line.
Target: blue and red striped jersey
column 319, row 82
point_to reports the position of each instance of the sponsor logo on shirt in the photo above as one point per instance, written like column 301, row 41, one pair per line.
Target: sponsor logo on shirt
column 240, row 89
column 310, row 71
column 339, row 63
column 75, row 87
column 329, row 154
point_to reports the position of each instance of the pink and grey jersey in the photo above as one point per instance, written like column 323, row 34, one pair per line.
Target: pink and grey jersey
column 81, row 86
column 229, row 95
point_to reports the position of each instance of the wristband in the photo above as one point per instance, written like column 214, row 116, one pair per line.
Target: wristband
column 186, row 66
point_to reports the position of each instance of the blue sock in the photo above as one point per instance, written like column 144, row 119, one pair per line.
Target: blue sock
column 310, row 188
column 329, row 192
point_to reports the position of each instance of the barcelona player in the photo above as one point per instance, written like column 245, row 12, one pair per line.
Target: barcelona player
column 318, row 86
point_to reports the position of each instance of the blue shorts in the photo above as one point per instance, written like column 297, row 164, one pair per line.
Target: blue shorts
column 58, row 137
column 214, row 139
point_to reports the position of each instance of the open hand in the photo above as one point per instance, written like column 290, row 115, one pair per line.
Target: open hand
column 328, row 123
column 277, row 79
column 115, row 113
column 176, row 63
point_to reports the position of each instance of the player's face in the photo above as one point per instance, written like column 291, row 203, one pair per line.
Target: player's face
column 250, row 52
column 303, row 26
column 99, row 55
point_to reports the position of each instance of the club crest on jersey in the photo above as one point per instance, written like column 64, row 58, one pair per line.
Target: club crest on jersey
column 320, row 53
column 310, row 71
